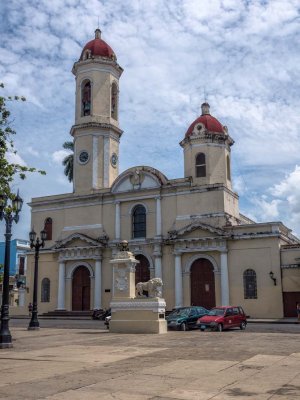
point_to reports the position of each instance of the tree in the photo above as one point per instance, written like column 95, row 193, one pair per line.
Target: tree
column 68, row 161
column 8, row 171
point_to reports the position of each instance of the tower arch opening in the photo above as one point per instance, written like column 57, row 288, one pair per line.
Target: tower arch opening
column 114, row 100
column 200, row 165
column 86, row 95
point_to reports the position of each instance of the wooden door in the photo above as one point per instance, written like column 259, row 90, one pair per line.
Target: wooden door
column 203, row 284
column 290, row 300
column 81, row 289
column 142, row 270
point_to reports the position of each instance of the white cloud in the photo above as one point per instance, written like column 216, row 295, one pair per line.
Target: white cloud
column 266, row 210
column 59, row 155
column 15, row 159
column 244, row 55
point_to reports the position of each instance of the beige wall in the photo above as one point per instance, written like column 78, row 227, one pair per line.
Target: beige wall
column 215, row 157
column 263, row 256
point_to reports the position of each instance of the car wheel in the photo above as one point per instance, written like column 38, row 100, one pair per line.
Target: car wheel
column 183, row 327
column 202, row 329
column 243, row 326
column 220, row 328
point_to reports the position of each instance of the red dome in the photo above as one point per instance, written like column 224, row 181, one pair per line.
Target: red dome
column 98, row 47
column 210, row 122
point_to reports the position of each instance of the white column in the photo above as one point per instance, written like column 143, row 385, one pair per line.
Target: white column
column 224, row 280
column 61, row 286
column 158, row 216
column 95, row 162
column 178, row 281
column 158, row 271
column 157, row 261
column 97, row 288
column 118, row 221
column 21, row 297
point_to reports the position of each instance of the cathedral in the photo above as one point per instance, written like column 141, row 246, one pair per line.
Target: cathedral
column 187, row 231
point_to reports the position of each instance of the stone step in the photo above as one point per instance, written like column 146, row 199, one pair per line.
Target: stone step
column 68, row 314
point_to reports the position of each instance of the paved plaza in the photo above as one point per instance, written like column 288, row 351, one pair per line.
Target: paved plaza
column 93, row 364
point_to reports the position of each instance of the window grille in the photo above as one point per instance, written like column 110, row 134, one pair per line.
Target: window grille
column 250, row 285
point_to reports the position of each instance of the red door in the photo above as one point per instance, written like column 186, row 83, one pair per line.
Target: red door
column 142, row 270
column 81, row 289
column 290, row 300
column 203, row 284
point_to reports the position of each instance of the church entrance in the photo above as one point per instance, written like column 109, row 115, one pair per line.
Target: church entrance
column 81, row 289
column 142, row 270
column 203, row 284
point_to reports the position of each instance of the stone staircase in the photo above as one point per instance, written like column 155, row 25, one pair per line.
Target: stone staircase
column 60, row 314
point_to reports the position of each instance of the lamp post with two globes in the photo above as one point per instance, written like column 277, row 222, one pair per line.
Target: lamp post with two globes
column 10, row 213
column 36, row 243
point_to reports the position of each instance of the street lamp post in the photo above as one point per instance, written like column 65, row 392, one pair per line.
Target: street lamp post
column 36, row 244
column 10, row 214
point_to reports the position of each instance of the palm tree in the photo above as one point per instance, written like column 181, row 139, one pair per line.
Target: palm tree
column 68, row 161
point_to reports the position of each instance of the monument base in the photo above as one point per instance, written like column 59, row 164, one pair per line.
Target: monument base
column 139, row 315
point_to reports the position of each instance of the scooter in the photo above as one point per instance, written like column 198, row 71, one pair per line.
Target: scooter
column 100, row 314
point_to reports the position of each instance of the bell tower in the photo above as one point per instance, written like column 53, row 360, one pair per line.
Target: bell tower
column 206, row 147
column 96, row 131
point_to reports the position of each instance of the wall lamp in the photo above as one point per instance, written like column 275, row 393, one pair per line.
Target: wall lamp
column 271, row 273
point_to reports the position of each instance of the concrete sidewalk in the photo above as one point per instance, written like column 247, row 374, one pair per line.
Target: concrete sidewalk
column 250, row 320
column 273, row 320
column 63, row 364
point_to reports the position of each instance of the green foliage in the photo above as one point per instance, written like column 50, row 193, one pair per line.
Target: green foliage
column 8, row 171
column 68, row 161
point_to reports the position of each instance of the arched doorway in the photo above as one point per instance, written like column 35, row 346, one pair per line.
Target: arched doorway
column 81, row 289
column 142, row 270
column 203, row 284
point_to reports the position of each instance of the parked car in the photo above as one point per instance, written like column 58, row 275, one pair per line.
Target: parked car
column 185, row 318
column 220, row 318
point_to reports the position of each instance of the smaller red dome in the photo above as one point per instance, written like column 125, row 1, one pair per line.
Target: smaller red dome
column 97, row 48
column 210, row 122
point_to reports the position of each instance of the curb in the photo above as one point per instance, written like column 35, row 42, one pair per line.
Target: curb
column 272, row 321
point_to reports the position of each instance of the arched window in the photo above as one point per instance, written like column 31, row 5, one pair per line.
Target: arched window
column 250, row 286
column 139, row 222
column 48, row 228
column 200, row 165
column 86, row 98
column 114, row 100
column 45, row 292
column 228, row 168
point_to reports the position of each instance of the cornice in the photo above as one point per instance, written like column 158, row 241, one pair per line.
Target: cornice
column 208, row 137
column 98, row 125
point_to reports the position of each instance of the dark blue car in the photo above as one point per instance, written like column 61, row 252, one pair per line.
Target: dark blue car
column 184, row 318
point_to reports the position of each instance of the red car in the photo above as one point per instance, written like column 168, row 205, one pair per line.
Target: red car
column 220, row 318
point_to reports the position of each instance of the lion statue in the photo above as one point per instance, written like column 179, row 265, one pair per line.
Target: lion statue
column 153, row 287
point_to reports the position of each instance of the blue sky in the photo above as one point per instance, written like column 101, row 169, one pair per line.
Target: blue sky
column 243, row 54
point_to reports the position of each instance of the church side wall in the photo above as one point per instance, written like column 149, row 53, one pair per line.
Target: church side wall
column 291, row 271
column 48, row 268
column 261, row 255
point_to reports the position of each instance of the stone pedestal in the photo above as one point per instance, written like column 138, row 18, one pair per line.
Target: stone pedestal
column 138, row 316
column 131, row 314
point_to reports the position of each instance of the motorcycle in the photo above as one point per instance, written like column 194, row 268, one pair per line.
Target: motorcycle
column 101, row 314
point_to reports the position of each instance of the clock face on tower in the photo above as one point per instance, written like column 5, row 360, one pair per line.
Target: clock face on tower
column 83, row 157
column 114, row 160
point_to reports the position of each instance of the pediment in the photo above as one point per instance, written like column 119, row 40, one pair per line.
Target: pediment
column 78, row 240
column 197, row 229
column 138, row 178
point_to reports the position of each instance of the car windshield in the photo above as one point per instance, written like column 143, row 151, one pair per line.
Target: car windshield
column 216, row 311
column 180, row 312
